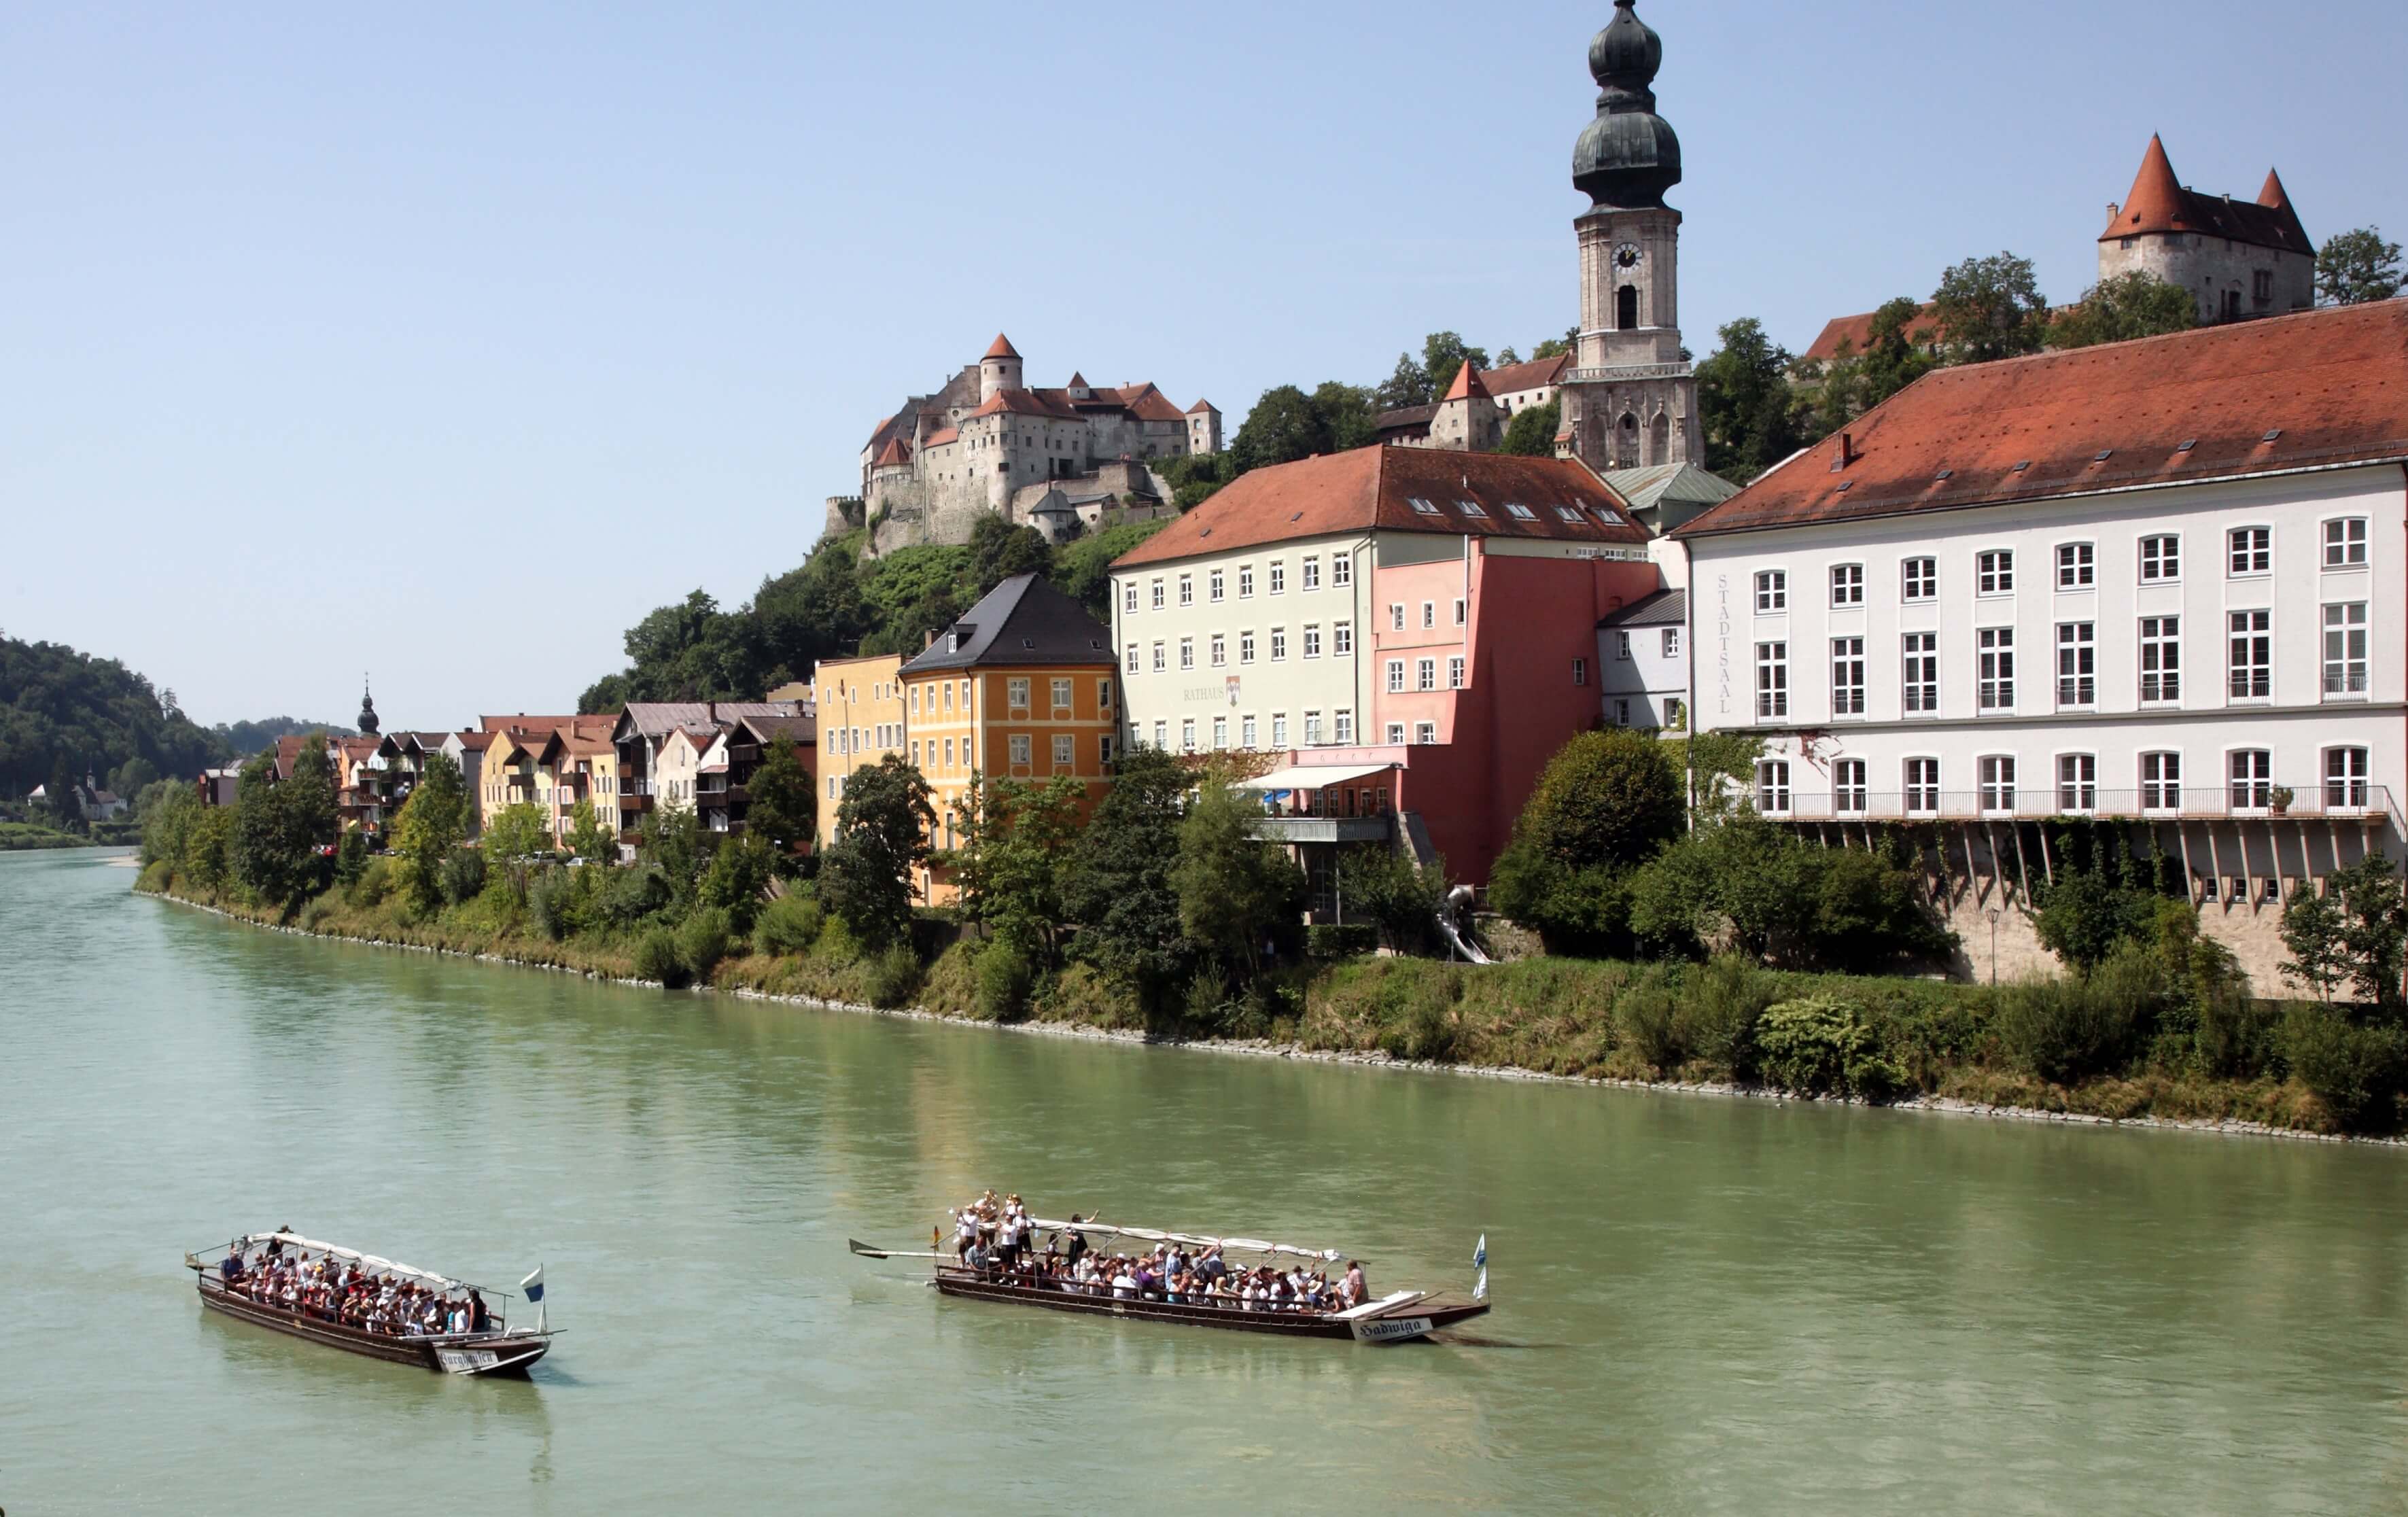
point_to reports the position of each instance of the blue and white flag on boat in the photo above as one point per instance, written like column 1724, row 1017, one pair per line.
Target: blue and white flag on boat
column 1480, row 1261
column 532, row 1286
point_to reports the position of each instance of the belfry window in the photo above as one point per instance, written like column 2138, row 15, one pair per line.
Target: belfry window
column 1625, row 307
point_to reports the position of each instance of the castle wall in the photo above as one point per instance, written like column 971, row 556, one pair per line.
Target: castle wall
column 2209, row 267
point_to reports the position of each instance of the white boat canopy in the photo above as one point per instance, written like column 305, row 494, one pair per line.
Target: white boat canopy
column 367, row 1261
column 1312, row 776
column 1244, row 1245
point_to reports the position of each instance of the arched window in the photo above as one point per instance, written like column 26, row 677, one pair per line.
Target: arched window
column 1625, row 307
column 1659, row 440
column 1625, row 451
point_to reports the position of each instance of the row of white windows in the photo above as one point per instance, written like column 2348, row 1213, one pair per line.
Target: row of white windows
column 1015, row 695
column 1216, row 646
column 1216, row 581
column 1339, row 731
column 2248, row 783
column 2249, row 552
column 882, row 736
column 2249, row 665
column 1671, row 639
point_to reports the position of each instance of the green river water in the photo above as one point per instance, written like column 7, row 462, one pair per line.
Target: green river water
column 1703, row 1305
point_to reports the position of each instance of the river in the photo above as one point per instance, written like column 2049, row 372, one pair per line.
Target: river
column 1703, row 1305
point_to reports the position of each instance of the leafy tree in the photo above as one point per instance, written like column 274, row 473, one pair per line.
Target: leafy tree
column 1744, row 405
column 1119, row 888
column 677, row 846
column 1345, row 410
column 999, row 550
column 1381, row 885
column 167, row 828
column 607, row 693
column 284, row 832
column 589, row 837
column 518, row 831
column 1083, row 569
column 1605, row 803
column 1193, row 479
column 1779, row 896
column 1237, row 892
column 432, row 823
column 1532, row 431
column 1857, row 381
column 2134, row 304
column 2102, row 898
column 1988, row 308
column 1443, row 354
column 128, row 778
column 2314, row 933
column 2374, row 927
column 881, row 835
column 251, row 736
column 1408, row 385
column 1287, row 424
column 2355, row 267
column 1015, row 845
column 1559, row 347
column 61, row 794
column 738, row 881
column 785, row 806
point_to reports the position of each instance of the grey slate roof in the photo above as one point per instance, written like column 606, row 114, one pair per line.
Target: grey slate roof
column 1023, row 621
column 1664, row 608
column 657, row 719
column 1670, row 494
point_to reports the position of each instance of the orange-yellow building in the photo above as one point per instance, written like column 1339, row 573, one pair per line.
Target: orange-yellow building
column 1022, row 686
column 860, row 706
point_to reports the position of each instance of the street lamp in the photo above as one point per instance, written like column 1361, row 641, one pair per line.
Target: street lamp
column 1993, row 914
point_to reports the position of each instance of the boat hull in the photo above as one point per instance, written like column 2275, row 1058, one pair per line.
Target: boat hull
column 1423, row 1318
column 482, row 1354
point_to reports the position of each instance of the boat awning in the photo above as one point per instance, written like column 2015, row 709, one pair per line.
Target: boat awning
column 1312, row 776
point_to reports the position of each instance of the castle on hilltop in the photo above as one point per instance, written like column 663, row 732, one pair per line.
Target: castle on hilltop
column 1060, row 460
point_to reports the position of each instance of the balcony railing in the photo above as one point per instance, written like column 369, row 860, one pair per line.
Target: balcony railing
column 2345, row 682
column 2250, row 801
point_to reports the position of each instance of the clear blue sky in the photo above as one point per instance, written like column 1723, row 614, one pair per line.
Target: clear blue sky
column 445, row 342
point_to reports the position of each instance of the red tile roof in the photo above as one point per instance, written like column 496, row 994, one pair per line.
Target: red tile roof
column 1028, row 403
column 1467, row 384
column 1148, row 404
column 1376, row 486
column 942, row 435
column 2319, row 389
column 895, row 452
column 1857, row 330
column 1002, row 348
column 1535, row 374
column 523, row 724
column 476, row 742
column 2158, row 203
column 1201, row 406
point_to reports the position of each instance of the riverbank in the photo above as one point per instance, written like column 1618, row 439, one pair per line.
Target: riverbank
column 16, row 836
column 1916, row 1044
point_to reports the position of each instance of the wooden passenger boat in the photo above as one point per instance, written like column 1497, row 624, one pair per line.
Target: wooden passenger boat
column 497, row 1351
column 1396, row 1318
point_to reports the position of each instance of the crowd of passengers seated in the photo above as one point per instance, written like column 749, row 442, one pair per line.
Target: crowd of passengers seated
column 336, row 1289
column 996, row 1242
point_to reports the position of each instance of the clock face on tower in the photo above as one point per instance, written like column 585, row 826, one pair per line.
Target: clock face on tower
column 1626, row 255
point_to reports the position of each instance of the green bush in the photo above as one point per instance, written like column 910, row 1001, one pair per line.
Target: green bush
column 789, row 924
column 1819, row 1046
column 1720, row 1002
column 372, row 885
column 1206, row 998
column 2065, row 1030
column 548, row 896
column 1646, row 1017
column 656, row 958
column 631, row 894
column 892, row 976
column 702, row 941
column 1003, row 980
column 315, row 913
column 2355, row 1071
column 1341, row 941
column 461, row 877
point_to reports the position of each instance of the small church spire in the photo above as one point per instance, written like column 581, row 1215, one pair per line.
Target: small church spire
column 367, row 723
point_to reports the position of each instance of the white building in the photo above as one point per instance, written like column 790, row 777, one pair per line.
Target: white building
column 1642, row 662
column 2159, row 581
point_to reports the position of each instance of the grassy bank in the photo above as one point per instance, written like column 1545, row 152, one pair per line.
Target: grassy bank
column 18, row 836
column 2105, row 1054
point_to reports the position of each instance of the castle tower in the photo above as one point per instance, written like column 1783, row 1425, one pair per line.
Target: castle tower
column 1630, row 400
column 998, row 370
column 2238, row 258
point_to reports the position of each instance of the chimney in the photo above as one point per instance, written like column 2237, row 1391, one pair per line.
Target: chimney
column 1844, row 454
column 931, row 642
column 2113, row 211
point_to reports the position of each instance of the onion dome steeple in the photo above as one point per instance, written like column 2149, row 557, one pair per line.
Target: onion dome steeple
column 1628, row 157
column 367, row 723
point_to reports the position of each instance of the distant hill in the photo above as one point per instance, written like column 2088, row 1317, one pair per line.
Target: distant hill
column 247, row 738
column 93, row 712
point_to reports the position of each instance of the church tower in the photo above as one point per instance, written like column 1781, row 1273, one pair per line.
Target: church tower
column 1630, row 399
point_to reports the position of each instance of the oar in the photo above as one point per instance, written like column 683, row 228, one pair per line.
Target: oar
column 867, row 1252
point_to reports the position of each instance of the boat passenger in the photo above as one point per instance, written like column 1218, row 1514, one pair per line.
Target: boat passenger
column 1356, row 1290
column 230, row 1268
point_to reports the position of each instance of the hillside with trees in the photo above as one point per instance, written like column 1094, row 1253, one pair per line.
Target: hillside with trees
column 64, row 713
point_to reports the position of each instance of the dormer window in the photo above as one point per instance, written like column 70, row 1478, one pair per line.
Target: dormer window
column 1472, row 507
column 1520, row 512
column 1423, row 507
column 1571, row 514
